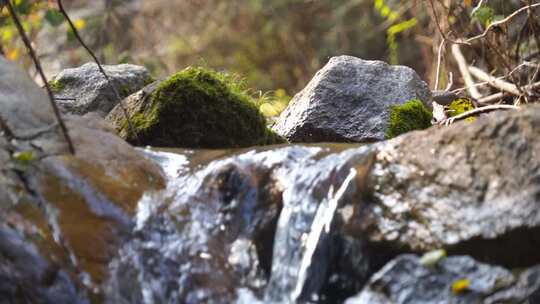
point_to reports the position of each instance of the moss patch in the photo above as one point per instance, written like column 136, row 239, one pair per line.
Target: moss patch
column 460, row 106
column 412, row 115
column 200, row 108
column 56, row 86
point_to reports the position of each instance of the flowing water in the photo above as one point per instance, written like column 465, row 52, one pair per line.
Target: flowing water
column 239, row 226
column 231, row 226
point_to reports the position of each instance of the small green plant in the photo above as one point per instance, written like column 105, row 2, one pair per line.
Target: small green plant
column 412, row 115
column 56, row 86
column 460, row 106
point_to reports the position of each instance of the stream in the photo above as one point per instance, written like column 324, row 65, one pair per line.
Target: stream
column 242, row 226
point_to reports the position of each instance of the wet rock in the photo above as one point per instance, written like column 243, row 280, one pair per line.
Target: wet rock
column 28, row 277
column 349, row 100
column 526, row 290
column 457, row 279
column 195, row 108
column 67, row 214
column 84, row 89
column 470, row 188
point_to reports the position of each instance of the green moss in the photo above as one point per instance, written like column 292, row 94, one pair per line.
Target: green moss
column 56, row 86
column 149, row 80
column 412, row 115
column 460, row 106
column 200, row 108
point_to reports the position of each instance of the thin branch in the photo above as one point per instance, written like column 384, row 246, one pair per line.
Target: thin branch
column 96, row 60
column 487, row 82
column 439, row 59
column 41, row 74
column 464, row 115
column 500, row 22
column 450, row 82
column 500, row 95
column 443, row 35
column 463, row 69
column 492, row 98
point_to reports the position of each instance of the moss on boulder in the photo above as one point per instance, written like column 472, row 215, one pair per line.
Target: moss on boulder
column 412, row 115
column 195, row 108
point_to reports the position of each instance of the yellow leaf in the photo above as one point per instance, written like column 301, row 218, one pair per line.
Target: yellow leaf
column 467, row 2
column 461, row 285
column 12, row 54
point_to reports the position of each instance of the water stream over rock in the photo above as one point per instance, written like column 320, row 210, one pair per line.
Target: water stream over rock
column 253, row 225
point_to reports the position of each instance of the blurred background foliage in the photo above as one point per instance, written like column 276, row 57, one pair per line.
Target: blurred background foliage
column 275, row 46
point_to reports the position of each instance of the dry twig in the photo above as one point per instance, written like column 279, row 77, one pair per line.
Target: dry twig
column 463, row 69
column 501, row 22
column 28, row 45
column 102, row 71
column 494, row 82
column 477, row 111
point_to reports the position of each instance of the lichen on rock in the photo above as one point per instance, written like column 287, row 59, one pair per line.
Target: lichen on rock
column 195, row 108
column 412, row 115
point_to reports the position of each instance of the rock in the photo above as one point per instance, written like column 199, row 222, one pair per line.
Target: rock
column 66, row 215
column 348, row 100
column 457, row 279
column 526, row 290
column 471, row 188
column 195, row 108
column 90, row 89
column 28, row 277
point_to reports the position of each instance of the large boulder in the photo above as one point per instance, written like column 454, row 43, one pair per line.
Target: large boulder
column 195, row 108
column 62, row 215
column 469, row 188
column 457, row 279
column 349, row 100
column 84, row 89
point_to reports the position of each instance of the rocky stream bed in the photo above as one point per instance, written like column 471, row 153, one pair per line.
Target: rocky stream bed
column 290, row 223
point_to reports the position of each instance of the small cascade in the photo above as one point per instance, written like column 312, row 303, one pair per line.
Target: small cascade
column 302, row 247
column 244, row 226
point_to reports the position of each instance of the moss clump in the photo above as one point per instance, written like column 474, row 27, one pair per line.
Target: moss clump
column 412, row 115
column 200, row 108
column 56, row 86
column 460, row 106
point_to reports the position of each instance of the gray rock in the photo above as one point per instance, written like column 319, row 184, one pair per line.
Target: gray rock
column 405, row 280
column 61, row 215
column 526, row 289
column 91, row 90
column 348, row 100
column 472, row 188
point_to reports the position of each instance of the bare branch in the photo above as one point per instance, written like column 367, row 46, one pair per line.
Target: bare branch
column 41, row 74
column 96, row 60
column 494, row 82
column 452, row 119
column 500, row 22
column 463, row 69
column 439, row 59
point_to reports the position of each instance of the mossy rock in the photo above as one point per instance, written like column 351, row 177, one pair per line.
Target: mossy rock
column 195, row 108
column 412, row 115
